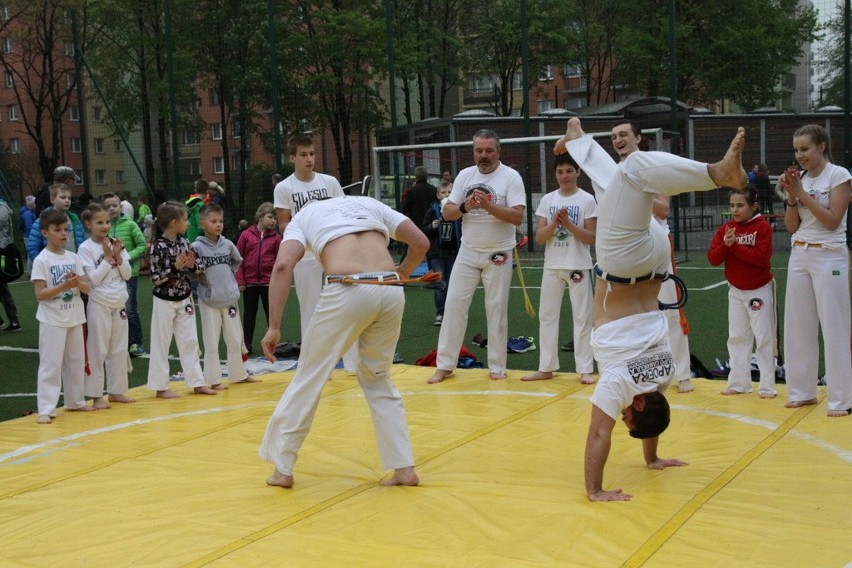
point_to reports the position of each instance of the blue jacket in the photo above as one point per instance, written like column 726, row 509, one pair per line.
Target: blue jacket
column 36, row 243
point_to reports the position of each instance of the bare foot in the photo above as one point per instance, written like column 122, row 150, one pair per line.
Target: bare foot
column 685, row 386
column 729, row 172
column 767, row 395
column 438, row 376
column 800, row 403
column 250, row 379
column 587, row 379
column 44, row 419
column 100, row 404
column 729, row 392
column 203, row 390
column 402, row 476
column 839, row 413
column 83, row 408
column 278, row 479
column 121, row 398
column 538, row 376
column 219, row 387
column 497, row 376
column 573, row 131
column 168, row 393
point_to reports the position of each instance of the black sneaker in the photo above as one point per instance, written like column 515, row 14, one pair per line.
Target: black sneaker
column 11, row 327
column 568, row 346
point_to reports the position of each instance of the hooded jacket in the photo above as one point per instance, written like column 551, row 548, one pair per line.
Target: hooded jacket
column 217, row 287
column 259, row 251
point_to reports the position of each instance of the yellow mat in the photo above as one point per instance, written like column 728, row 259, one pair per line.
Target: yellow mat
column 179, row 483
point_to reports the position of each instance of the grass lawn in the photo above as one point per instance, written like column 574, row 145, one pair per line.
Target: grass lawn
column 706, row 311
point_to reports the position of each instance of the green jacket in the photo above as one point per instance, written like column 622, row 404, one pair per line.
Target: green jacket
column 193, row 215
column 143, row 210
column 126, row 230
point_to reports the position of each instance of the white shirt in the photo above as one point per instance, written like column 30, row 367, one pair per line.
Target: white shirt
column 810, row 229
column 108, row 283
column 324, row 221
column 563, row 250
column 481, row 231
column 293, row 194
column 65, row 309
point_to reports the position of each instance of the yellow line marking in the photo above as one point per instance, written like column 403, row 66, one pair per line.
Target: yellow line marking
column 320, row 507
column 679, row 519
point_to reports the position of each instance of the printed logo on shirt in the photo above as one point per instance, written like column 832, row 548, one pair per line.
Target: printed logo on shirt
column 755, row 304
column 122, row 314
column 499, row 258
column 216, row 260
column 577, row 276
column 490, row 195
column 747, row 239
column 232, row 311
column 654, row 368
column 300, row 199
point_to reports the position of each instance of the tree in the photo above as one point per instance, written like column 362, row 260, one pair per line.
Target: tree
column 832, row 90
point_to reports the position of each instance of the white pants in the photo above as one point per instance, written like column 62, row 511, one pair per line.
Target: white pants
column 818, row 295
column 370, row 317
column 176, row 318
column 553, row 283
column 628, row 244
column 225, row 322
column 494, row 269
column 107, row 347
column 61, row 367
column 308, row 276
column 751, row 322
column 678, row 340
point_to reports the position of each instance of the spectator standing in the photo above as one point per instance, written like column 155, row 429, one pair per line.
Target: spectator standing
column 6, row 238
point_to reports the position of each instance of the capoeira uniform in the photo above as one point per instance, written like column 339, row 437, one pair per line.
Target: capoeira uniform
column 486, row 255
column 219, row 308
column 633, row 352
column 567, row 262
column 107, row 320
column 751, row 301
column 678, row 338
column 173, row 314
column 61, row 355
column 818, row 295
column 292, row 194
column 367, row 316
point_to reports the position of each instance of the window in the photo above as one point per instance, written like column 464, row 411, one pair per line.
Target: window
column 14, row 145
column 74, row 113
column 100, row 177
column 119, row 176
column 483, row 84
column 76, row 146
column 572, row 70
column 194, row 168
column 188, row 136
column 218, row 165
column 98, row 143
column 517, row 82
column 545, row 105
column 546, row 73
column 216, row 131
column 235, row 129
column 97, row 114
column 116, row 145
column 10, row 79
column 69, row 49
column 7, row 45
column 13, row 112
column 4, row 13
column 213, row 96
column 235, row 163
column 70, row 80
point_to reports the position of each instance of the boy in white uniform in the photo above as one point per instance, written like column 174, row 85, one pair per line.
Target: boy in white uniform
column 630, row 339
column 58, row 280
column 218, row 300
column 566, row 221
column 350, row 236
column 107, row 267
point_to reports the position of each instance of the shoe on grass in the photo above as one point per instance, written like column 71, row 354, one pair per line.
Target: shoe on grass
column 521, row 344
column 568, row 346
column 10, row 326
column 136, row 350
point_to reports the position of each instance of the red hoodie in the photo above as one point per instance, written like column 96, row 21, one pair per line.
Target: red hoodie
column 259, row 252
column 747, row 261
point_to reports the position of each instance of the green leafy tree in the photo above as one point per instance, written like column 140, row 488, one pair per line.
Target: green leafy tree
column 832, row 90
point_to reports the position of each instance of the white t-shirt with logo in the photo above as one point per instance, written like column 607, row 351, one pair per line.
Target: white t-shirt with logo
column 65, row 309
column 108, row 285
column 481, row 231
column 292, row 193
column 563, row 249
column 810, row 229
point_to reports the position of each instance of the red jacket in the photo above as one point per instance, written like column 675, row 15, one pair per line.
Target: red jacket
column 747, row 261
column 259, row 252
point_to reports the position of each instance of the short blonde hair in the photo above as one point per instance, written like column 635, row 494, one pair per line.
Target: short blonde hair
column 265, row 209
column 57, row 187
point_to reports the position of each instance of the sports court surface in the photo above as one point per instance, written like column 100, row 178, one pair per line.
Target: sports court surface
column 179, row 483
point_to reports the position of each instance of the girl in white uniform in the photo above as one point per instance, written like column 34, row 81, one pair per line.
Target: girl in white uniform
column 566, row 221
column 818, row 276
column 107, row 267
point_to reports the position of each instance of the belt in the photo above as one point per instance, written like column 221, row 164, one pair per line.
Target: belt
column 806, row 245
column 621, row 280
column 368, row 276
